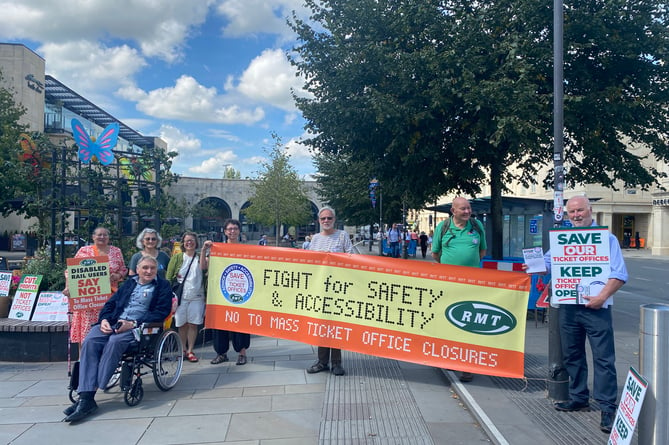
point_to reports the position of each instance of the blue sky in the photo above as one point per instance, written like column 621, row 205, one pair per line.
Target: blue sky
column 210, row 77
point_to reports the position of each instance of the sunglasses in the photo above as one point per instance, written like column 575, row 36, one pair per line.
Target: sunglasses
column 327, row 218
column 150, row 239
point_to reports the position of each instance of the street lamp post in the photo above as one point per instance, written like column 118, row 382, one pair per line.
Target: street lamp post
column 558, row 380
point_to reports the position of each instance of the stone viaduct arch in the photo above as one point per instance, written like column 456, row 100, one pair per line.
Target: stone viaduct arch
column 225, row 198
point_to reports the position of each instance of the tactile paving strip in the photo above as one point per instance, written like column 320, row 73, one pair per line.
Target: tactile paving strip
column 372, row 404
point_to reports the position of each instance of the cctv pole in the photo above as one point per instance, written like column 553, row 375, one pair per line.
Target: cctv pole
column 558, row 380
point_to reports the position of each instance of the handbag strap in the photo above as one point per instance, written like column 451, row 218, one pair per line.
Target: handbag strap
column 189, row 265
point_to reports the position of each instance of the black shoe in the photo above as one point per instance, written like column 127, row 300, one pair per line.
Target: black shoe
column 571, row 406
column 84, row 409
column 317, row 367
column 607, row 421
column 219, row 359
column 338, row 369
column 70, row 409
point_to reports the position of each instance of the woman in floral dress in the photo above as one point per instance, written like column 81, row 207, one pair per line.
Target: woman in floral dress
column 82, row 320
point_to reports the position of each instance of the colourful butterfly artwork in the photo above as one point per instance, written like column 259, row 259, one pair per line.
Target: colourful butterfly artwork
column 134, row 168
column 31, row 155
column 101, row 147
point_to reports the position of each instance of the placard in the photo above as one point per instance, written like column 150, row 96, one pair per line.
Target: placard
column 5, row 283
column 88, row 282
column 24, row 299
column 629, row 408
column 580, row 263
column 51, row 306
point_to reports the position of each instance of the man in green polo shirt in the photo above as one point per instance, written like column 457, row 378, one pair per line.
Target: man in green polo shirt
column 460, row 241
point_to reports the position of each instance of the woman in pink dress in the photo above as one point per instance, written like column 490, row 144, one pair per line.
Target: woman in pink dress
column 82, row 320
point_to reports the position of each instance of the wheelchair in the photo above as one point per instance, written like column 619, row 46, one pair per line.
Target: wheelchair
column 158, row 349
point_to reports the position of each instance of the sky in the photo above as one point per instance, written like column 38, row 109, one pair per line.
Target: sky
column 209, row 77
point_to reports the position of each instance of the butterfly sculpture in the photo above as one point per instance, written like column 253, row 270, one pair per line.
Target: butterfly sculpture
column 135, row 169
column 100, row 148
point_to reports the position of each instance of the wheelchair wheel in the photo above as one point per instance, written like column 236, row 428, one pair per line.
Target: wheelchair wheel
column 134, row 394
column 73, row 395
column 114, row 379
column 168, row 360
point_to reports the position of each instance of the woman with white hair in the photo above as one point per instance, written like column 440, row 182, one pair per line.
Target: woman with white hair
column 148, row 242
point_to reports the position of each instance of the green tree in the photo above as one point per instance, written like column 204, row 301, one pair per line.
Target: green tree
column 448, row 96
column 11, row 167
column 279, row 196
column 346, row 188
column 231, row 173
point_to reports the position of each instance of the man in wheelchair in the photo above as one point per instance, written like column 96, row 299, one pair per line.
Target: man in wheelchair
column 143, row 298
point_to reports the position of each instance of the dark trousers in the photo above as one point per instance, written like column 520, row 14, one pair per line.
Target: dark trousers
column 395, row 249
column 100, row 355
column 221, row 340
column 576, row 324
column 326, row 355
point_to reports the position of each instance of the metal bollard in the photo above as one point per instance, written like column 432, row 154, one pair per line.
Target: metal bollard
column 653, row 364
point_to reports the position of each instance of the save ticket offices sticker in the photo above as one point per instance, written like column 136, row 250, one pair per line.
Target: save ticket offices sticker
column 580, row 263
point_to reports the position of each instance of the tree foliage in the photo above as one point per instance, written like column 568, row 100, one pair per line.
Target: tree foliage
column 11, row 167
column 279, row 196
column 443, row 96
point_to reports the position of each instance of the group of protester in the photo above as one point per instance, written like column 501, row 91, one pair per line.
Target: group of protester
column 460, row 240
column 145, row 296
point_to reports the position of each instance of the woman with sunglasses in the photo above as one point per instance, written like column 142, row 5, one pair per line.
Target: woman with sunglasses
column 221, row 338
column 185, row 268
column 329, row 240
column 148, row 242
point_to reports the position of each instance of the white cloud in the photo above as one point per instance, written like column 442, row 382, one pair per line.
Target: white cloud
column 179, row 141
column 188, row 100
column 159, row 27
column 216, row 164
column 88, row 67
column 270, row 78
column 253, row 17
column 297, row 150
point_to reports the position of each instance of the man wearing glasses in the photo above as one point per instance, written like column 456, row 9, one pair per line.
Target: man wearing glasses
column 329, row 240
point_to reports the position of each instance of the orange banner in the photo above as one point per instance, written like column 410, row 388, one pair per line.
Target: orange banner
column 452, row 317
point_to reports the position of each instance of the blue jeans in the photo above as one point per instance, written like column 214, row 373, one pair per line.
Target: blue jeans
column 576, row 324
column 100, row 355
column 395, row 249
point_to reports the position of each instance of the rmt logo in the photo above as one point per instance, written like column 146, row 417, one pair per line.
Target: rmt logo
column 480, row 318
